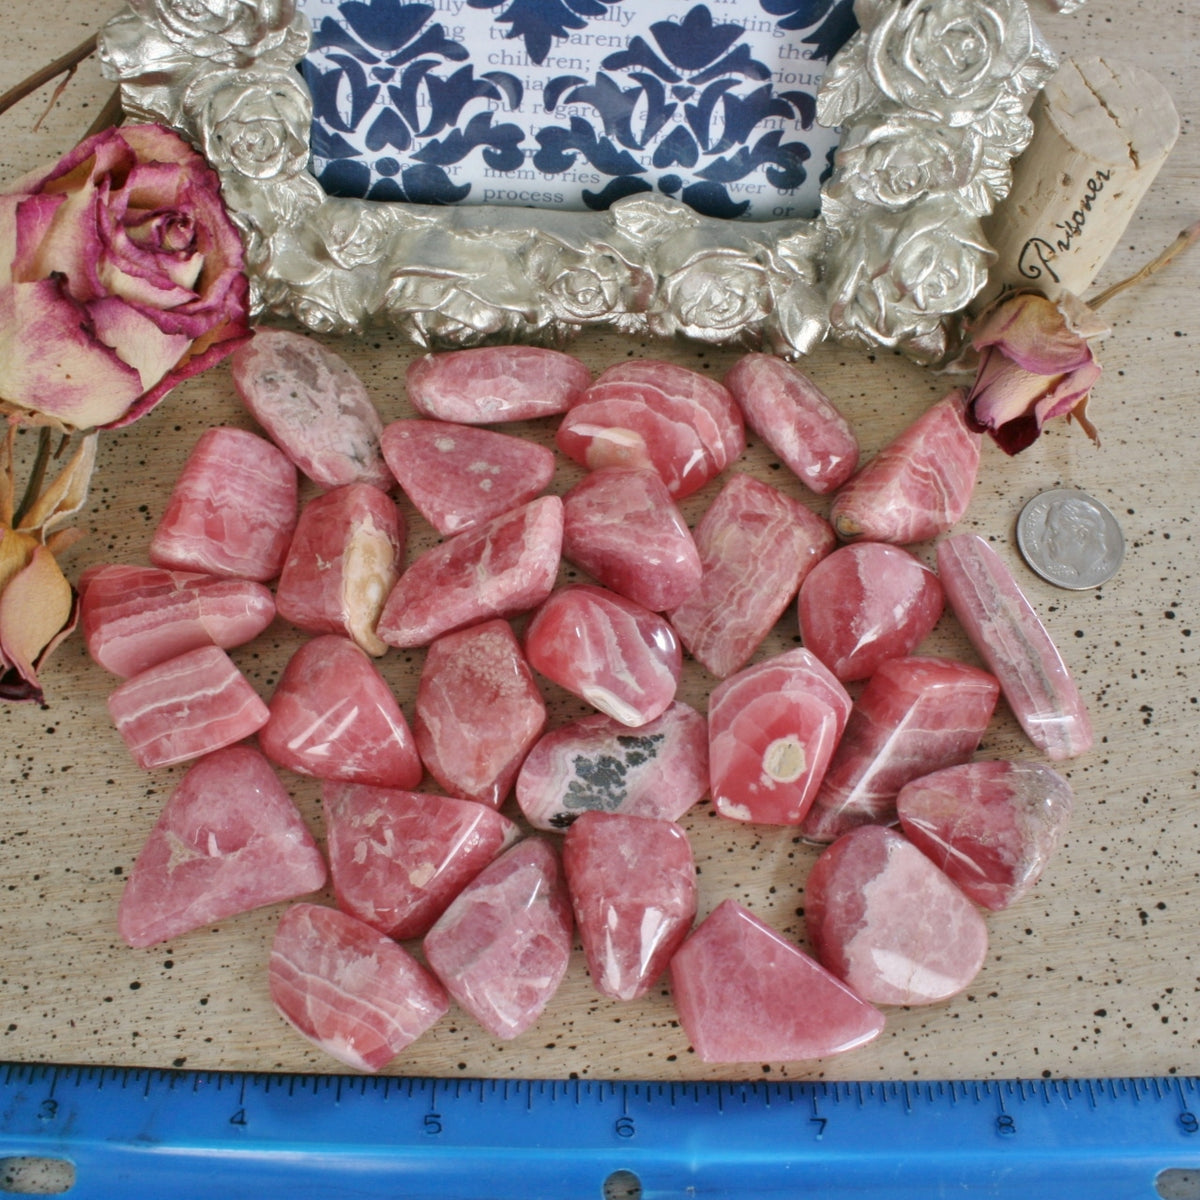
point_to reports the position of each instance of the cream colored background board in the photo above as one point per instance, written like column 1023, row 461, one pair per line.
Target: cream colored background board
column 1095, row 973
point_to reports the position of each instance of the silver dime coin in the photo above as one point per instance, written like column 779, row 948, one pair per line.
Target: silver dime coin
column 1070, row 539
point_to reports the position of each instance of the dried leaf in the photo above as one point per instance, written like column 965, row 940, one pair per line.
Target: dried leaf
column 68, row 493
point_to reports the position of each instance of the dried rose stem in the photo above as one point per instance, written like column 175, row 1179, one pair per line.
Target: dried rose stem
column 42, row 76
column 1177, row 247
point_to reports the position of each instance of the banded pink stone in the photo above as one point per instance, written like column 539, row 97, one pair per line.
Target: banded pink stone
column 990, row 826
column 459, row 476
column 621, row 658
column 478, row 711
column 882, row 917
column 866, row 603
column 134, row 617
column 915, row 715
column 502, row 946
column 658, row 770
column 744, row 993
column 232, row 511
column 756, row 546
column 1011, row 639
column 228, row 840
column 334, row 717
column 312, row 406
column 796, row 419
column 918, row 485
column 632, row 883
column 397, row 858
column 499, row 569
column 344, row 560
column 348, row 989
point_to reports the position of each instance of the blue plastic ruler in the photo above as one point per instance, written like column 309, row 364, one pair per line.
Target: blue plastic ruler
column 131, row 1132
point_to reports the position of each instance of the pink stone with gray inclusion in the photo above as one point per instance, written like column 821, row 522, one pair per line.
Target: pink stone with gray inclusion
column 349, row 989
column 623, row 528
column 916, row 715
column 632, row 883
column 756, row 546
column 499, row 569
column 229, row 839
column 882, row 917
column 619, row 657
column 772, row 729
column 744, row 993
column 397, row 858
column 658, row 770
column 478, row 711
column 866, row 603
column 991, row 826
column 1012, row 640
column 503, row 945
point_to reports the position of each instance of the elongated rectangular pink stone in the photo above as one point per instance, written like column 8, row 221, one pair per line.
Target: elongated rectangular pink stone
column 1010, row 638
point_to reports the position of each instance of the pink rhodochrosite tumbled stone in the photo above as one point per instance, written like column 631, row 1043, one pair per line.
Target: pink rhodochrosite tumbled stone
column 499, row 569
column 744, row 993
column 491, row 384
column 623, row 528
column 333, row 717
column 459, row 476
column 991, row 826
column 618, row 656
column 478, row 711
column 502, row 946
column 632, row 883
column 134, row 617
column 866, row 603
column 229, row 839
column 658, row 770
column 796, row 419
column 232, row 511
column 349, row 989
column 313, row 407
column 1012, row 640
column 185, row 707
column 882, row 917
column 916, row 715
column 398, row 858
column 918, row 485
column 772, row 729
column 756, row 546
column 344, row 560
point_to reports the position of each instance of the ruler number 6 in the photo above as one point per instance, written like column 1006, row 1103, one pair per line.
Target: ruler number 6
column 625, row 1127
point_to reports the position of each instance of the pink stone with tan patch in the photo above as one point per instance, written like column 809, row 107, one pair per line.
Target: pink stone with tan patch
column 350, row 990
column 134, row 617
column 345, row 557
column 632, row 883
column 232, row 511
column 618, row 656
column 499, row 569
column 478, row 712
column 334, row 717
column 744, row 993
column 228, row 840
column 503, row 945
column 882, row 917
column 992, row 827
column 459, row 476
column 756, row 546
column 397, row 858
column 866, row 603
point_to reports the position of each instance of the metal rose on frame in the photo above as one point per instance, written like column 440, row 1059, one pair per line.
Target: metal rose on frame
column 931, row 96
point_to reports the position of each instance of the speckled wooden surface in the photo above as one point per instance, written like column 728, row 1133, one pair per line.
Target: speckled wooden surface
column 1096, row 973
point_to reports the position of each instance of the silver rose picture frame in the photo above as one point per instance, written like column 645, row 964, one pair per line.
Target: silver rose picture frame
column 930, row 96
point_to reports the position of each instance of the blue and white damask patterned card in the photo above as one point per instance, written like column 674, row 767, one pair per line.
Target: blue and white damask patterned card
column 575, row 103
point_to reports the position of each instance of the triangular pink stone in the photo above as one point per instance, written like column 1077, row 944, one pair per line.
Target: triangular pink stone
column 459, row 476
column 228, row 840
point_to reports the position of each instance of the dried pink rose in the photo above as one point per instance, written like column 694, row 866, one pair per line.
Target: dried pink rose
column 120, row 275
column 1035, row 363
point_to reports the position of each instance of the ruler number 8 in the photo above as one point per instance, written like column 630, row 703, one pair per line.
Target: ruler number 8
column 1006, row 1126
